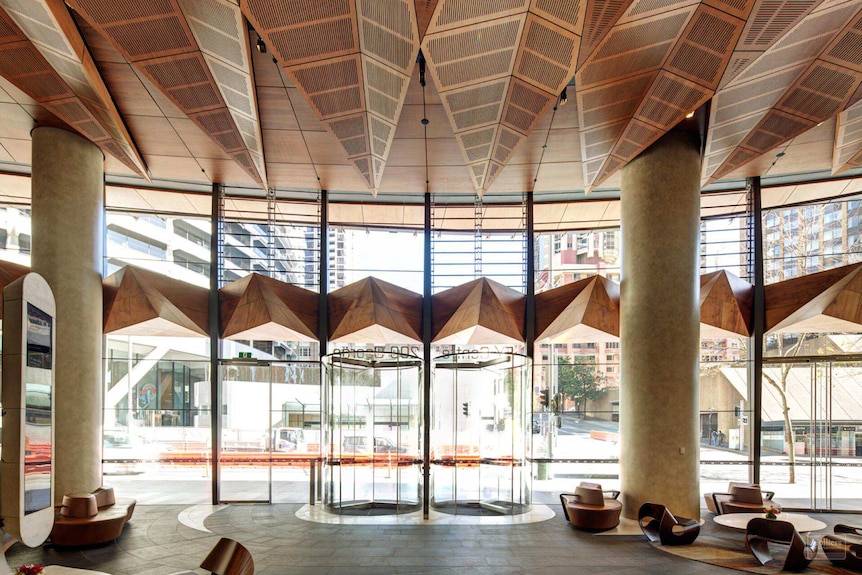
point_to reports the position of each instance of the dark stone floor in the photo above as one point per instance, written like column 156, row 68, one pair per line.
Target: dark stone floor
column 156, row 543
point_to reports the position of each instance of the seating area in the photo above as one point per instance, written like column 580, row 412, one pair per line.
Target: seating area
column 760, row 532
column 590, row 509
column 660, row 525
column 740, row 498
column 90, row 518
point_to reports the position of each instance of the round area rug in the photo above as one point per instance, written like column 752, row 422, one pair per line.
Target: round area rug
column 724, row 548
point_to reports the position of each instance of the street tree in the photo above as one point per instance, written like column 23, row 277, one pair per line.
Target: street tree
column 580, row 382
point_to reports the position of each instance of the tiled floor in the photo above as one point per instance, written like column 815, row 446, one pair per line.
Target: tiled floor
column 156, row 542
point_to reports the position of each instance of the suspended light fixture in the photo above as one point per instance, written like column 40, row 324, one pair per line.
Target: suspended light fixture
column 261, row 45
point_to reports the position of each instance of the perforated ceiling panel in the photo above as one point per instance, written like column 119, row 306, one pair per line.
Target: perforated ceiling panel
column 655, row 66
column 498, row 70
column 42, row 53
column 206, row 80
column 806, row 77
column 848, row 140
column 220, row 31
column 352, row 61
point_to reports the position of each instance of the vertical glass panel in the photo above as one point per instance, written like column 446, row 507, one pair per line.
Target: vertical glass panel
column 479, row 432
column 295, row 421
column 244, row 464
column 157, row 419
column 846, row 436
column 372, row 432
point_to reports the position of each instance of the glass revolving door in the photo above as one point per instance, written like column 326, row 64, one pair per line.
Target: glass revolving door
column 372, row 414
column 479, row 434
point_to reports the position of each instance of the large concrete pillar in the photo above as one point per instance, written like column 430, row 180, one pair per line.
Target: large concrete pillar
column 68, row 227
column 659, row 327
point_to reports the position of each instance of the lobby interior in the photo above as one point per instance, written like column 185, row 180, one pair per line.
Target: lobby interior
column 436, row 262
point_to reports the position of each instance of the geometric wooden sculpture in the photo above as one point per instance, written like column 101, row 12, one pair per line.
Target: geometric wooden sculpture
column 10, row 272
column 141, row 302
column 479, row 312
column 586, row 310
column 823, row 302
column 375, row 311
column 725, row 305
column 257, row 307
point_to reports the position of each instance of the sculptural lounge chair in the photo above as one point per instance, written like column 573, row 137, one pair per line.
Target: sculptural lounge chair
column 844, row 547
column 760, row 532
column 660, row 525
column 228, row 557
column 740, row 498
column 588, row 508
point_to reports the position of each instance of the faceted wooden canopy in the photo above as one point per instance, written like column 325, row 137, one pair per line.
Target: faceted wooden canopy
column 9, row 272
column 141, row 302
column 480, row 312
column 260, row 307
column 725, row 305
column 375, row 311
column 824, row 302
column 586, row 310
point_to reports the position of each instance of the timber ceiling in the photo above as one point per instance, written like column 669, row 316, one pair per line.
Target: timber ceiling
column 176, row 91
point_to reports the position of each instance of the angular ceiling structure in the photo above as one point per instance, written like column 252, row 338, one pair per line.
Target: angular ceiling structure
column 142, row 302
column 197, row 53
column 9, row 272
column 585, row 310
column 352, row 61
column 42, row 54
column 375, row 311
column 499, row 66
column 176, row 91
column 823, row 302
column 725, row 306
column 477, row 313
column 258, row 307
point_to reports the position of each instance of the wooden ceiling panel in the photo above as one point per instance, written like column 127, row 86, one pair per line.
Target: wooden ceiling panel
column 547, row 55
column 451, row 14
column 158, row 39
column 600, row 16
column 42, row 52
column 848, row 140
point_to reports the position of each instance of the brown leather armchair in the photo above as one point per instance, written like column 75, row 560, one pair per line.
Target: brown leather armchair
column 740, row 498
column 760, row 532
column 660, row 525
column 844, row 546
column 589, row 508
column 228, row 557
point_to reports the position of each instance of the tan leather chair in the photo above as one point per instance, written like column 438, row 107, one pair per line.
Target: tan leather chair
column 589, row 508
column 740, row 498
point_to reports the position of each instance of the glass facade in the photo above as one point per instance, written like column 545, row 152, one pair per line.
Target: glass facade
column 158, row 402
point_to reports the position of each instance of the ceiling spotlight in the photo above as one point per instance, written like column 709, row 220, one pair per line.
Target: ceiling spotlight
column 690, row 115
column 563, row 98
column 261, row 45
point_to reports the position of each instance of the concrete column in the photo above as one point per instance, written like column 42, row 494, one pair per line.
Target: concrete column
column 660, row 327
column 68, row 227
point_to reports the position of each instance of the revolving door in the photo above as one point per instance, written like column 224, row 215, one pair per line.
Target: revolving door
column 372, row 414
column 479, row 434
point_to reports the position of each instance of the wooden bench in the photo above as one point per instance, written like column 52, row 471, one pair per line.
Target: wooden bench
column 90, row 518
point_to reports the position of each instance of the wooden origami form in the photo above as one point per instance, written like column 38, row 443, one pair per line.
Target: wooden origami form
column 725, row 305
column 263, row 308
column 9, row 272
column 586, row 310
column 141, row 302
column 375, row 311
column 479, row 312
column 824, row 302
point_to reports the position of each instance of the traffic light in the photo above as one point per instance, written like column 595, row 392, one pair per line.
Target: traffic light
column 543, row 398
column 465, row 408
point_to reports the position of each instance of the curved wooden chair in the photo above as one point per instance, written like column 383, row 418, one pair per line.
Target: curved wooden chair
column 660, row 525
column 228, row 557
column 760, row 532
column 844, row 547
